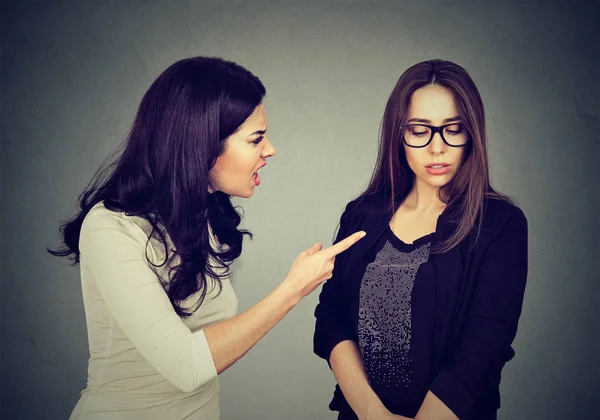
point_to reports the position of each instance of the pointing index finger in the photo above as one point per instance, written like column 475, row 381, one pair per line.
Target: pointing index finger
column 344, row 244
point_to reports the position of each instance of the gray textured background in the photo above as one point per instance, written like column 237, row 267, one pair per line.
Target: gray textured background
column 73, row 74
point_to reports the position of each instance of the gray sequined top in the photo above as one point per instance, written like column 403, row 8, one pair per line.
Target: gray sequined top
column 396, row 364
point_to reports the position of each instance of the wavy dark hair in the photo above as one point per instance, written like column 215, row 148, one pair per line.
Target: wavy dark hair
column 466, row 191
column 162, row 172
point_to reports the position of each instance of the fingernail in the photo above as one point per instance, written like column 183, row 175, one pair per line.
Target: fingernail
column 362, row 234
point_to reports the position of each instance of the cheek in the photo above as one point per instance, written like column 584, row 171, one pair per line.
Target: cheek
column 235, row 164
column 243, row 162
column 412, row 156
column 460, row 156
column 223, row 169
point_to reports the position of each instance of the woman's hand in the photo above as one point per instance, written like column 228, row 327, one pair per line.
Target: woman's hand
column 315, row 265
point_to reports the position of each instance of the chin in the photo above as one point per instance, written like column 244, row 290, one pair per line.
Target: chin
column 437, row 181
column 438, row 184
column 244, row 194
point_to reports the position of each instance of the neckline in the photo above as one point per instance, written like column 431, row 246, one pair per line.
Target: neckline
column 401, row 245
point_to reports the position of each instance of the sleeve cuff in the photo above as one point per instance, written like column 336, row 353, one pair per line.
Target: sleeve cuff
column 326, row 341
column 454, row 394
column 203, row 363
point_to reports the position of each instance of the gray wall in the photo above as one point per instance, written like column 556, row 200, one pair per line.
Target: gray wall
column 73, row 74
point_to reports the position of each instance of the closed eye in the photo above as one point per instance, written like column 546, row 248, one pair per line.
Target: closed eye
column 418, row 131
column 258, row 140
column 454, row 129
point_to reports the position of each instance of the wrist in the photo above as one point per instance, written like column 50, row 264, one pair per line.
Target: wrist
column 287, row 296
column 372, row 408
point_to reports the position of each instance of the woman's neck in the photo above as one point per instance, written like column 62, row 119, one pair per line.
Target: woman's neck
column 423, row 198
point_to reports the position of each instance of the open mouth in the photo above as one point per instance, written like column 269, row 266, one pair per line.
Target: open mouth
column 256, row 178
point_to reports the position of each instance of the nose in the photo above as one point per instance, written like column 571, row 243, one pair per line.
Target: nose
column 437, row 145
column 268, row 149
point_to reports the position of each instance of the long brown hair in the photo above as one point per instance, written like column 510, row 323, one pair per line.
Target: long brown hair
column 465, row 193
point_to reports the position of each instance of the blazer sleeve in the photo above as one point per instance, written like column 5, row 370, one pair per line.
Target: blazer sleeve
column 113, row 253
column 332, row 324
column 490, row 325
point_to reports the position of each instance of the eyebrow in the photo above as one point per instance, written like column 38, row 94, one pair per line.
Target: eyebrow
column 261, row 132
column 429, row 121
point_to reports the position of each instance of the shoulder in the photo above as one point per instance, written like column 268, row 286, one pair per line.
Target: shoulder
column 501, row 216
column 365, row 205
column 113, row 223
column 497, row 210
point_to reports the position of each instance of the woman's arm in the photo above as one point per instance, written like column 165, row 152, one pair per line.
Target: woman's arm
column 349, row 371
column 113, row 255
column 434, row 409
column 231, row 339
column 484, row 345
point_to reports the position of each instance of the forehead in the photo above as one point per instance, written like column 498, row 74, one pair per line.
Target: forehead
column 433, row 103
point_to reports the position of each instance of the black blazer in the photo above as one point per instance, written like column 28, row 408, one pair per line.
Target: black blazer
column 479, row 295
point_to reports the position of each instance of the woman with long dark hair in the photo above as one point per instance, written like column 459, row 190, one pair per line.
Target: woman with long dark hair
column 155, row 236
column 418, row 318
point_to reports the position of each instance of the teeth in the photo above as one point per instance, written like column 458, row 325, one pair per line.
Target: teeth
column 436, row 166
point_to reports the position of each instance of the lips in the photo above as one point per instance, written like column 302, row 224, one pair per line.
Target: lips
column 258, row 170
column 437, row 165
column 256, row 176
column 437, row 168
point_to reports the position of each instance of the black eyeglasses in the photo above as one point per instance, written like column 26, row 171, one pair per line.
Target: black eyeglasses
column 420, row 135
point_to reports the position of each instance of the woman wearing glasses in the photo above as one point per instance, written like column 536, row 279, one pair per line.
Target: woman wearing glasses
column 418, row 318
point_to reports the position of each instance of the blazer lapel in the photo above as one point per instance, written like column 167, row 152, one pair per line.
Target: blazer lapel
column 374, row 226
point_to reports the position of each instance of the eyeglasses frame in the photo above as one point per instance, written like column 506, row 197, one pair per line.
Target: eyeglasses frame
column 434, row 129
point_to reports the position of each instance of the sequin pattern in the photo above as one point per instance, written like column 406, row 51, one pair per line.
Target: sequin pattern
column 384, row 321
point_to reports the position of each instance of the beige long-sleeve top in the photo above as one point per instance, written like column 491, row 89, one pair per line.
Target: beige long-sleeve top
column 145, row 361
